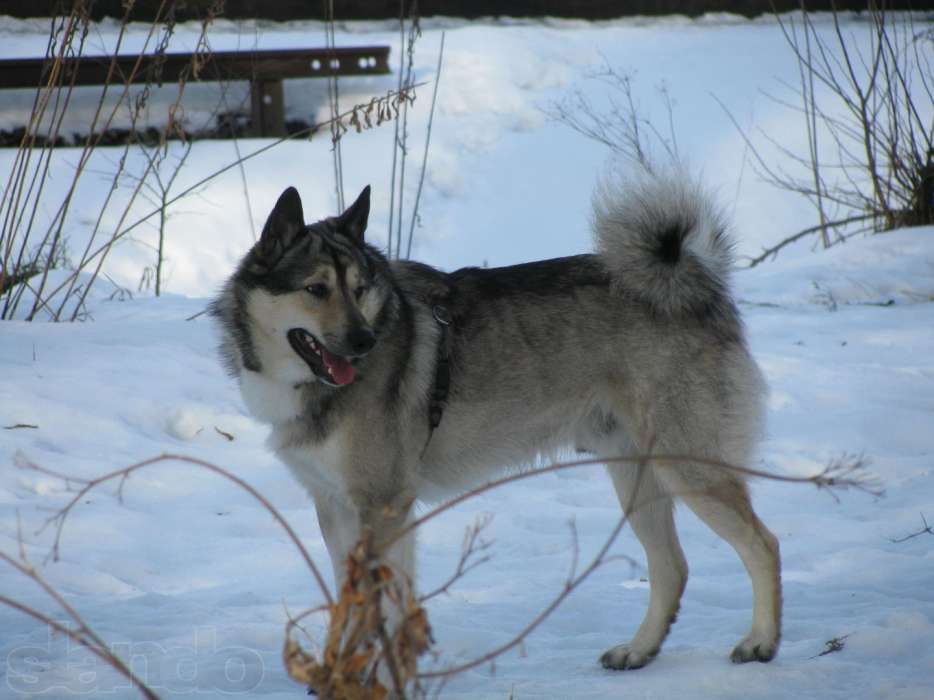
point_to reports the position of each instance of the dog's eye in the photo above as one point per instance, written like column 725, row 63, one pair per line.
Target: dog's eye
column 318, row 290
column 359, row 292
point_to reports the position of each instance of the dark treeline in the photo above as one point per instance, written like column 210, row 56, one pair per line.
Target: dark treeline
column 376, row 9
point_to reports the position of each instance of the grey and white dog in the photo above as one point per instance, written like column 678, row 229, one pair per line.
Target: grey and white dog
column 353, row 360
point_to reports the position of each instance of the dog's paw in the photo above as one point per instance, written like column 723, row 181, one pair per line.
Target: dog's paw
column 623, row 657
column 755, row 648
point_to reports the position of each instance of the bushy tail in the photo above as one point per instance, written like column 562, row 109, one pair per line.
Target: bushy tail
column 664, row 242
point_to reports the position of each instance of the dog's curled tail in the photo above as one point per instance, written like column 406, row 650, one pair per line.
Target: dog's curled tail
column 664, row 242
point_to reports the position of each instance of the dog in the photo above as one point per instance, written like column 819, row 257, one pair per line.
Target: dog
column 386, row 382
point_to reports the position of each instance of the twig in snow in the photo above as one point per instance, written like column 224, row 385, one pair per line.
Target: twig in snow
column 471, row 547
column 832, row 645
column 926, row 530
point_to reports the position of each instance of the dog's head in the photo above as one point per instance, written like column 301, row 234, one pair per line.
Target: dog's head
column 308, row 301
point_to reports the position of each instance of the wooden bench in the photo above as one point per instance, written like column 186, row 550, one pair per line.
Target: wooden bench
column 265, row 71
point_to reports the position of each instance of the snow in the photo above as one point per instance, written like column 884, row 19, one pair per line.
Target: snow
column 190, row 577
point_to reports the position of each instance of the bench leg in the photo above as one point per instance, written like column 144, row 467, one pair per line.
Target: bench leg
column 268, row 108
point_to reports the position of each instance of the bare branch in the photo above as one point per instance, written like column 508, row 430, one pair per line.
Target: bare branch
column 925, row 530
column 103, row 654
column 471, row 547
column 569, row 587
column 841, row 473
column 772, row 251
column 59, row 518
column 83, row 634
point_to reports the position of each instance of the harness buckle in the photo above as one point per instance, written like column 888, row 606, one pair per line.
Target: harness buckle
column 441, row 314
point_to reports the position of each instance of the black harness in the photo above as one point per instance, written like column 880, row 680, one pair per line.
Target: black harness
column 442, row 385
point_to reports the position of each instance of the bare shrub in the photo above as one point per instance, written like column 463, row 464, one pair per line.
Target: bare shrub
column 620, row 124
column 869, row 125
column 157, row 190
column 867, row 114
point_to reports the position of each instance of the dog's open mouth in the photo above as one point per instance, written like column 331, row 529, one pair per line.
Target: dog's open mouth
column 332, row 369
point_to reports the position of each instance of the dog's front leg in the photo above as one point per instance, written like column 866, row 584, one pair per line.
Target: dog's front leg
column 340, row 527
column 345, row 522
column 386, row 518
column 383, row 521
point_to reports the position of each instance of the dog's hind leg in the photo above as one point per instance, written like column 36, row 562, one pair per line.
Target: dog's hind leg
column 649, row 509
column 725, row 507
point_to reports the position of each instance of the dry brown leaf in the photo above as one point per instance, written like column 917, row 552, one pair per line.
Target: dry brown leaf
column 357, row 663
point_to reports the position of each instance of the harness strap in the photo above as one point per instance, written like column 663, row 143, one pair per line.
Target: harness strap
column 442, row 387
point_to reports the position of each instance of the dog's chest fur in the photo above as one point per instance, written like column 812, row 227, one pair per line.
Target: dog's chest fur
column 317, row 464
column 270, row 401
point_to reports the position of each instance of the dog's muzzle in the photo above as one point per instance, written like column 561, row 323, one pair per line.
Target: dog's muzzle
column 329, row 367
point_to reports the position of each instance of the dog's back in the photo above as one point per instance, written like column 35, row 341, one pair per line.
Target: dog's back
column 642, row 335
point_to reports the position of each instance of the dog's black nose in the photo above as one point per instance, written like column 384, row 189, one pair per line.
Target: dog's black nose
column 361, row 340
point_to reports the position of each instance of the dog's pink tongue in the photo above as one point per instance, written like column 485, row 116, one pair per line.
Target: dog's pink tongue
column 340, row 369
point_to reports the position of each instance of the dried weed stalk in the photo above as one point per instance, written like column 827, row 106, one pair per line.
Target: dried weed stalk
column 30, row 249
column 359, row 638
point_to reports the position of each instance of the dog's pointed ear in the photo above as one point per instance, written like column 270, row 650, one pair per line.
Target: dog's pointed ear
column 353, row 221
column 285, row 223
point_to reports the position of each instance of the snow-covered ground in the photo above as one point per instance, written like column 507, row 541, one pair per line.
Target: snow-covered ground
column 191, row 579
